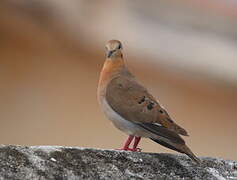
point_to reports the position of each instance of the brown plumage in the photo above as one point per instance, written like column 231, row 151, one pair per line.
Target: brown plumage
column 136, row 104
column 133, row 109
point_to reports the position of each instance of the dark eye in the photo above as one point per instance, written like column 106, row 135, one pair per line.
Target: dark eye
column 120, row 46
column 161, row 111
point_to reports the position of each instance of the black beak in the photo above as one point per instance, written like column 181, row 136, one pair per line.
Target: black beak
column 110, row 53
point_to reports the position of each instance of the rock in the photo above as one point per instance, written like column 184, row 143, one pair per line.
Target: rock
column 54, row 162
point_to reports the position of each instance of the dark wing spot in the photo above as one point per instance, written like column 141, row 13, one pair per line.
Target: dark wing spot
column 161, row 111
column 170, row 120
column 150, row 106
column 120, row 85
column 142, row 100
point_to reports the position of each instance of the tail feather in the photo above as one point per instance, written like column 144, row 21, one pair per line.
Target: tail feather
column 163, row 143
column 182, row 148
column 190, row 154
column 194, row 158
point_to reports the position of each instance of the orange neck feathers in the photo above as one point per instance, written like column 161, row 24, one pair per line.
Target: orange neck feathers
column 112, row 66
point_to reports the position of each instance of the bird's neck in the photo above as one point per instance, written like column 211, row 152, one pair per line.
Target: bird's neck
column 112, row 67
column 114, row 63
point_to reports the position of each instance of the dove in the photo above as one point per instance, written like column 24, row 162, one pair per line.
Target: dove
column 132, row 109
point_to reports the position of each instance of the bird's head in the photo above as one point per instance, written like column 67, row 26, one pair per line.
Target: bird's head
column 114, row 49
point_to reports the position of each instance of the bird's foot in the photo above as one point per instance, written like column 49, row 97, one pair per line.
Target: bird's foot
column 136, row 149
column 130, row 149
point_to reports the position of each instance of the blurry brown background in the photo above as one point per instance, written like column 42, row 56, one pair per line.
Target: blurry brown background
column 51, row 53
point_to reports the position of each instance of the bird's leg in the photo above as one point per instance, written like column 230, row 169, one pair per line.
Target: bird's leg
column 127, row 143
column 136, row 142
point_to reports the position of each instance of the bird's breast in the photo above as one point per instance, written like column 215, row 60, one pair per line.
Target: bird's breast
column 121, row 123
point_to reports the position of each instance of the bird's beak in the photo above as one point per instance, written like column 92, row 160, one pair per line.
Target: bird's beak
column 110, row 53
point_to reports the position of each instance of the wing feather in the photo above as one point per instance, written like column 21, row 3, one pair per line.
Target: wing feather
column 132, row 101
column 163, row 132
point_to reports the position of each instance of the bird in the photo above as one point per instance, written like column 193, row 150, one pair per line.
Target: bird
column 132, row 109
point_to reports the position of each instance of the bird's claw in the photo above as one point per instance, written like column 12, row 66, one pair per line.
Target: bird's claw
column 138, row 150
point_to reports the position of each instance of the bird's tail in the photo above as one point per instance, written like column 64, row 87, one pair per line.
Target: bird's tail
column 190, row 154
column 182, row 148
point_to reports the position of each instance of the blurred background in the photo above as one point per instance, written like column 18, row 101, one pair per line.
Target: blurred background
column 183, row 51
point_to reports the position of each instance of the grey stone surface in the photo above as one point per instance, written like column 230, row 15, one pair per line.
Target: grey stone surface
column 54, row 162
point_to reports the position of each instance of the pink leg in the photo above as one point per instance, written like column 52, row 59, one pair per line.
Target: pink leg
column 127, row 143
column 136, row 142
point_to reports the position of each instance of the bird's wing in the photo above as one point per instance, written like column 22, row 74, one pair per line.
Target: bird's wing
column 162, row 131
column 133, row 102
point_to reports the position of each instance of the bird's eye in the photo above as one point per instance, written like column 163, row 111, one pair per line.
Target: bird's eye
column 120, row 46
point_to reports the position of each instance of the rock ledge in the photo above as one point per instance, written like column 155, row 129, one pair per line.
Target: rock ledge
column 54, row 162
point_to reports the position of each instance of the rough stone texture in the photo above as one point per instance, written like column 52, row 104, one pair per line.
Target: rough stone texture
column 53, row 162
